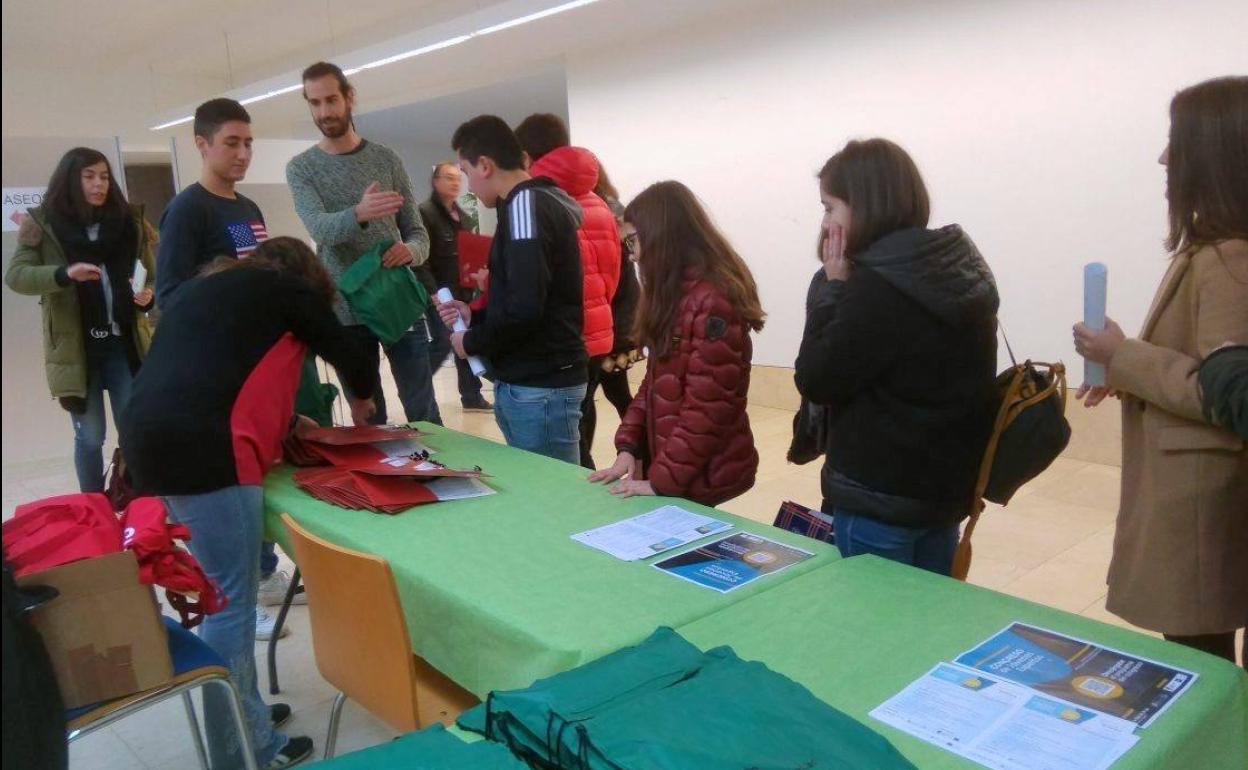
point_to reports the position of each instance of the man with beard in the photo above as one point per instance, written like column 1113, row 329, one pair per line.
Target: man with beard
column 353, row 194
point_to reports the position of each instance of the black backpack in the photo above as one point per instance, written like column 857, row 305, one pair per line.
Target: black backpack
column 1028, row 435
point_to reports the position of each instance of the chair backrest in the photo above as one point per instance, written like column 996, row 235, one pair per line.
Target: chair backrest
column 359, row 634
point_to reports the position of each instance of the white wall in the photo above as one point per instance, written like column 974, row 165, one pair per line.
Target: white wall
column 1037, row 126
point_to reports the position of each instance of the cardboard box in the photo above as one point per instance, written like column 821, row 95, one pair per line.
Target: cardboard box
column 104, row 632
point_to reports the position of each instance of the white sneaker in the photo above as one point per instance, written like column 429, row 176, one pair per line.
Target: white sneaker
column 265, row 623
column 273, row 590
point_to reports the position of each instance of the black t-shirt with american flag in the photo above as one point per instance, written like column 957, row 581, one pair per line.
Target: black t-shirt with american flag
column 196, row 228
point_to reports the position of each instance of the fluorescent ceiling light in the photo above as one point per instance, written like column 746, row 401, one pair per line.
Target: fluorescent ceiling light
column 533, row 17
column 438, row 46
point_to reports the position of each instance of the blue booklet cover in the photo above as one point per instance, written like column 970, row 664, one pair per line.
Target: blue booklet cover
column 733, row 561
column 1081, row 672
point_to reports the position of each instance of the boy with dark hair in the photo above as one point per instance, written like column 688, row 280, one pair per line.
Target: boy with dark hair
column 544, row 138
column 352, row 195
column 209, row 219
column 530, row 330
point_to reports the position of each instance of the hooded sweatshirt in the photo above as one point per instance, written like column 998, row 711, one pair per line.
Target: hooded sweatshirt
column 575, row 170
column 530, row 329
column 903, row 354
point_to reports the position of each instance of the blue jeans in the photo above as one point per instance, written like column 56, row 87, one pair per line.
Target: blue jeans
column 108, row 368
column 542, row 420
column 409, row 363
column 226, row 529
column 440, row 348
column 930, row 548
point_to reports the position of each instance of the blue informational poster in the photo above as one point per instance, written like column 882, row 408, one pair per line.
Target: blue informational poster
column 1109, row 681
column 733, row 561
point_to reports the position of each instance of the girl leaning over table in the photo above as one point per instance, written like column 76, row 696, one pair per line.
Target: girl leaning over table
column 686, row 432
column 211, row 406
column 1180, row 558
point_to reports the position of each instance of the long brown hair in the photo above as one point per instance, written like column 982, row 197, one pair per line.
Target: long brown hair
column 282, row 254
column 883, row 187
column 1207, row 163
column 677, row 235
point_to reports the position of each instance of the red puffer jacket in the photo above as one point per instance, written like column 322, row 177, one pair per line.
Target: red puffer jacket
column 688, row 422
column 575, row 170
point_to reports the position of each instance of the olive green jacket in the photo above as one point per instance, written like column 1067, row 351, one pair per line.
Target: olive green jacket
column 32, row 270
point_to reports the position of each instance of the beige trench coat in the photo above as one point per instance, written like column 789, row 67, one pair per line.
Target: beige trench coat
column 1180, row 561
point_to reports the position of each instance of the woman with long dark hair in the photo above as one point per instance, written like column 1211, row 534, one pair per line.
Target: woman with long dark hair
column 900, row 346
column 217, row 396
column 77, row 252
column 686, row 433
column 1180, row 560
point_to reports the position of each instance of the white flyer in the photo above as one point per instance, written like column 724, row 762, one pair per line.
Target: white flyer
column 1003, row 725
column 458, row 488
column 651, row 533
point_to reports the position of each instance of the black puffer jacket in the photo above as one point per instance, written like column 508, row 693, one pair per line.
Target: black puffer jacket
column 904, row 356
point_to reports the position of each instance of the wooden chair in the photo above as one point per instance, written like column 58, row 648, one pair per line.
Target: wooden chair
column 361, row 643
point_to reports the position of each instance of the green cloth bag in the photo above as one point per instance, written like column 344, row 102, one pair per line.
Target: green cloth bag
column 430, row 749
column 732, row 713
column 531, row 720
column 314, row 398
column 388, row 300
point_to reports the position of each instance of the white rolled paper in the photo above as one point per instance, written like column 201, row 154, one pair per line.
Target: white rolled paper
column 478, row 368
column 1095, row 279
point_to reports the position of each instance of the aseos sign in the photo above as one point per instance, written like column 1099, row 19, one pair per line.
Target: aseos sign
column 16, row 201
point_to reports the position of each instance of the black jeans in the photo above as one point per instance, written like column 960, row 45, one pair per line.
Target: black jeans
column 440, row 347
column 615, row 387
column 1222, row 645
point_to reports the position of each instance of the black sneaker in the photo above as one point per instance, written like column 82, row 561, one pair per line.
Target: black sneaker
column 279, row 714
column 293, row 753
column 478, row 404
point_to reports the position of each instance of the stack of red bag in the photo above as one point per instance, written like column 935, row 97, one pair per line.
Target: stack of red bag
column 58, row 530
column 368, row 468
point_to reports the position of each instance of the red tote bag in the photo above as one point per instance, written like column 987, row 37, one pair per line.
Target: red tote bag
column 58, row 530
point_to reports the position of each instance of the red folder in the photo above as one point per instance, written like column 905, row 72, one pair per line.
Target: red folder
column 474, row 254
column 359, row 434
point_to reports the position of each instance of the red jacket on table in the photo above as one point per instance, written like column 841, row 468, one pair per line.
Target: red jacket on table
column 688, row 423
column 575, row 170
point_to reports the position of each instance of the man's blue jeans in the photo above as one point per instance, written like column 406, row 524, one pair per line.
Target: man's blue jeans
column 542, row 420
column 226, row 528
column 409, row 363
column 108, row 368
column 928, row 548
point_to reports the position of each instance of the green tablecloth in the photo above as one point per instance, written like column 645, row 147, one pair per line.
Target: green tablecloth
column 495, row 592
column 858, row 631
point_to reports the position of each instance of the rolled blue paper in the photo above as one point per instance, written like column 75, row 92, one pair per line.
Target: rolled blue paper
column 1095, row 275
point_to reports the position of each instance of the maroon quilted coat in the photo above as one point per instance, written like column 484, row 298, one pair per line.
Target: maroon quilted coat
column 688, row 423
column 575, row 170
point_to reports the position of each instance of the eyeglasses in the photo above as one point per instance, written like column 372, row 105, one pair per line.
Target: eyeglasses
column 630, row 242
column 448, row 178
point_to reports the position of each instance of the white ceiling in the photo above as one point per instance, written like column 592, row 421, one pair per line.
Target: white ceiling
column 119, row 67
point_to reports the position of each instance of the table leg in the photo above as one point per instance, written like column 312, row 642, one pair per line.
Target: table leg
column 277, row 631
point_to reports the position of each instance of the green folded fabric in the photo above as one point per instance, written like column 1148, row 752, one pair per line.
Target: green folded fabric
column 731, row 713
column 314, row 398
column 430, row 749
column 531, row 720
column 665, row 705
column 388, row 300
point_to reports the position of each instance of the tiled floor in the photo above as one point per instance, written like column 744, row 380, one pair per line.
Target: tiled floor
column 1051, row 545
